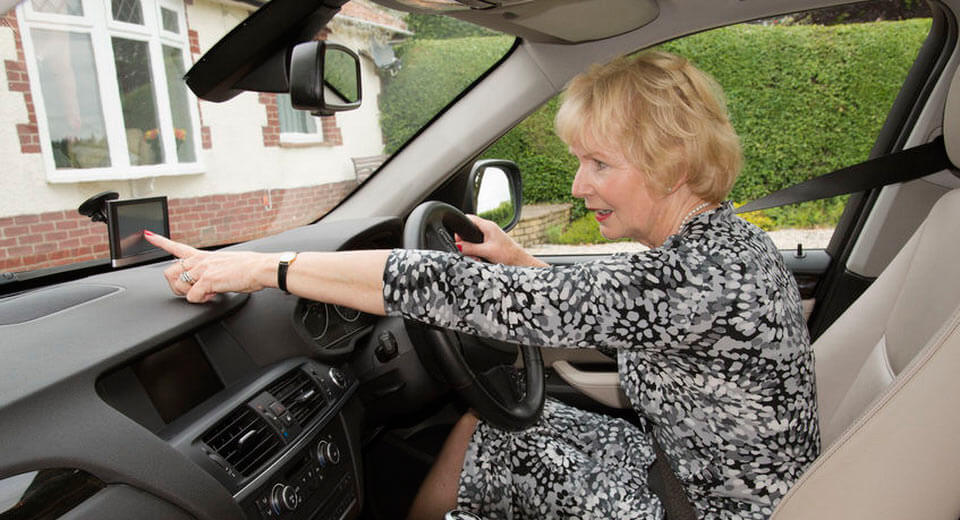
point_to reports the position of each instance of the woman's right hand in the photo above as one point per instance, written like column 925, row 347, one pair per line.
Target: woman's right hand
column 497, row 247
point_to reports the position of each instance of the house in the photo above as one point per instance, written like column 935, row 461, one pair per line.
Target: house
column 94, row 102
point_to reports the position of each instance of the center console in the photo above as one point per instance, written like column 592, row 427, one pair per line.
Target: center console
column 318, row 482
column 286, row 451
column 282, row 440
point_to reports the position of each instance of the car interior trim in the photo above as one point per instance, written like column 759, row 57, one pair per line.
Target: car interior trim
column 603, row 387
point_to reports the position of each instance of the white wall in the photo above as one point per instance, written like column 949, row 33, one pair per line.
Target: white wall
column 238, row 160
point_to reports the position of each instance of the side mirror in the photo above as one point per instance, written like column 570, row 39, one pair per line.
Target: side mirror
column 324, row 78
column 497, row 191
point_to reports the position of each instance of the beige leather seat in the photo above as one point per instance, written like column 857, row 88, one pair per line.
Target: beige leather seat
column 888, row 383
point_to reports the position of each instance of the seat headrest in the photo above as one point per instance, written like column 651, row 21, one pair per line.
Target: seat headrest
column 951, row 120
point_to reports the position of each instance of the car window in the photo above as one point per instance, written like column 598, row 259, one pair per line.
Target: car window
column 807, row 93
column 94, row 101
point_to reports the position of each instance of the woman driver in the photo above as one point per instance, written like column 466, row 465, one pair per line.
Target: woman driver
column 707, row 326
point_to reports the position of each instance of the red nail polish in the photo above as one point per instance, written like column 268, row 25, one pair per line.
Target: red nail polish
column 459, row 248
column 148, row 232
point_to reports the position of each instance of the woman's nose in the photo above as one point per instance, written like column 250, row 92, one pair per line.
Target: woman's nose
column 580, row 188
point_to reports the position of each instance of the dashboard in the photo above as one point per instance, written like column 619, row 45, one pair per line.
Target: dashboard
column 119, row 400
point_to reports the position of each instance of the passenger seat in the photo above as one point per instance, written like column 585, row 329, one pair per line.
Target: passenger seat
column 888, row 383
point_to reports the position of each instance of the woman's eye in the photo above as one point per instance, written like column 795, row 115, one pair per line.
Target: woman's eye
column 600, row 164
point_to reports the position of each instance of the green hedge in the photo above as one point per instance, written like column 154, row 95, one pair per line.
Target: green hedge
column 433, row 73
column 501, row 214
column 805, row 99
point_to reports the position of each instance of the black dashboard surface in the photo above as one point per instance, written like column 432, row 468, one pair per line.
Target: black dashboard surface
column 51, row 413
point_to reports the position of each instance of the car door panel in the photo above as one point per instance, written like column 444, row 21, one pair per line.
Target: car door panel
column 587, row 376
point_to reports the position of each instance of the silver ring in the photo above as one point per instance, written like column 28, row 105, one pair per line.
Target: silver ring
column 186, row 278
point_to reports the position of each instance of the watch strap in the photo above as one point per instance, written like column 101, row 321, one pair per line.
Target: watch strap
column 282, row 269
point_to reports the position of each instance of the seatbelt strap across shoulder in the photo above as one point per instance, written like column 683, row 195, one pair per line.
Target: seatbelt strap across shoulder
column 901, row 166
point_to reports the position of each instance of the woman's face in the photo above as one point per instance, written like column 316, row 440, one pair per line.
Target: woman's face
column 623, row 203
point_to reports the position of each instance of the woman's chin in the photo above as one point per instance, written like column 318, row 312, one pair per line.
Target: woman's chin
column 609, row 234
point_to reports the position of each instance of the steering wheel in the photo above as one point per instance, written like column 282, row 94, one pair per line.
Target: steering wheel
column 500, row 395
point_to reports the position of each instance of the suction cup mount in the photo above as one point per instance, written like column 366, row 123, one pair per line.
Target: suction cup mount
column 96, row 206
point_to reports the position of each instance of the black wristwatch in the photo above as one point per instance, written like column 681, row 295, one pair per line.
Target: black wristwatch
column 286, row 259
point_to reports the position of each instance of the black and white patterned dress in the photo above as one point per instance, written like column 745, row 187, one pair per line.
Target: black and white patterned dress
column 712, row 351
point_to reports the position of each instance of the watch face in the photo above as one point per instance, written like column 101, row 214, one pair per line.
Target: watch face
column 287, row 257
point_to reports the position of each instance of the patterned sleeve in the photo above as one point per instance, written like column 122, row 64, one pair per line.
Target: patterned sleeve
column 620, row 302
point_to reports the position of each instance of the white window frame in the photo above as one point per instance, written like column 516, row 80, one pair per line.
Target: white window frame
column 98, row 22
column 300, row 139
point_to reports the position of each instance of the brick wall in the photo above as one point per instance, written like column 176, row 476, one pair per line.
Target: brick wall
column 62, row 237
column 536, row 219
column 19, row 81
column 271, row 131
column 193, row 39
column 331, row 132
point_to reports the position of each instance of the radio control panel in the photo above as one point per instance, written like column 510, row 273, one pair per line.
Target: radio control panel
column 317, row 483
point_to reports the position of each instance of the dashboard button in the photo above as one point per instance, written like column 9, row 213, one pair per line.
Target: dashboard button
column 283, row 498
column 290, row 498
column 263, row 504
column 332, row 453
column 338, row 377
column 321, row 453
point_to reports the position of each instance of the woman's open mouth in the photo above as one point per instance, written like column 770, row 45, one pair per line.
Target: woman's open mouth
column 603, row 214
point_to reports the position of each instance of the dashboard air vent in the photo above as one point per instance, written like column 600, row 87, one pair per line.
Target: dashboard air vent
column 244, row 440
column 300, row 395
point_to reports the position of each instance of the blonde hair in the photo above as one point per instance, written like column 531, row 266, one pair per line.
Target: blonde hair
column 667, row 118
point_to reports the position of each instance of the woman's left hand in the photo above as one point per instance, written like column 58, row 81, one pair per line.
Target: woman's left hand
column 497, row 247
column 201, row 275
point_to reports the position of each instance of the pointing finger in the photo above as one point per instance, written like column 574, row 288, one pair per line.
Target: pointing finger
column 174, row 248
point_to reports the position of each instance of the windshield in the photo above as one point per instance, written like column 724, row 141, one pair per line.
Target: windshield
column 95, row 103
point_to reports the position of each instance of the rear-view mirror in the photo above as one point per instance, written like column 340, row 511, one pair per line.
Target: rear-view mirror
column 324, row 78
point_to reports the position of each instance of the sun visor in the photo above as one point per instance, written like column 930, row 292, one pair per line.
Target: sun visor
column 600, row 18
column 554, row 21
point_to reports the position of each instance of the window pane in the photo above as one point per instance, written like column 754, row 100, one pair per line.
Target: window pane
column 71, row 7
column 177, row 91
column 71, row 97
column 127, row 11
column 138, row 101
column 169, row 19
column 293, row 120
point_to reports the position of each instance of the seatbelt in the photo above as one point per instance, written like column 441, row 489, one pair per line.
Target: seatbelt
column 901, row 166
